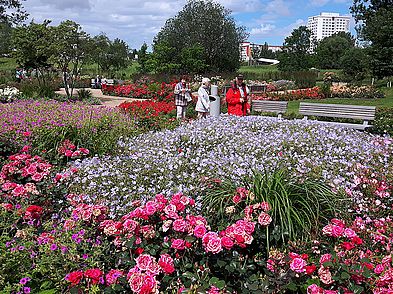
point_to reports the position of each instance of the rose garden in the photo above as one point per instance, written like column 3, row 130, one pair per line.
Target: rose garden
column 128, row 199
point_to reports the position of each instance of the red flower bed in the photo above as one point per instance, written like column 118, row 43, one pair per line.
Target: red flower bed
column 301, row 94
column 155, row 91
column 148, row 108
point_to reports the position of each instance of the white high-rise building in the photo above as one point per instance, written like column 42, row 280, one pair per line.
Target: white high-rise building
column 327, row 24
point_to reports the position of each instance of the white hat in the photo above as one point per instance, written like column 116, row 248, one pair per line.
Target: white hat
column 205, row 80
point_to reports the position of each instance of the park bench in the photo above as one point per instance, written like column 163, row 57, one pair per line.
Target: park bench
column 270, row 106
column 365, row 113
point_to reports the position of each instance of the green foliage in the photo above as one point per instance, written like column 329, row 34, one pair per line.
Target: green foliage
column 99, row 136
column 297, row 206
column 295, row 55
column 355, row 64
column 111, row 56
column 263, row 52
column 12, row 11
column 330, row 50
column 71, row 49
column 143, row 57
column 200, row 25
column 33, row 89
column 383, row 123
column 375, row 27
column 5, row 37
column 33, row 48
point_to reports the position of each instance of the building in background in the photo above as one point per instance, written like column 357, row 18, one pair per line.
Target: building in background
column 247, row 49
column 327, row 24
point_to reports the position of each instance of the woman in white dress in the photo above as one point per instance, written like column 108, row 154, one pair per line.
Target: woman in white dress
column 203, row 103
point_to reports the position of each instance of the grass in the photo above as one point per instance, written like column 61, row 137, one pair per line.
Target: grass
column 92, row 70
column 7, row 64
column 258, row 69
column 293, row 106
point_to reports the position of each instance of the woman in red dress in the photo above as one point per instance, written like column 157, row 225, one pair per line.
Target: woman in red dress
column 237, row 98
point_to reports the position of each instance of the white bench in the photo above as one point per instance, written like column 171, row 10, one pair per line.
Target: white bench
column 270, row 106
column 365, row 113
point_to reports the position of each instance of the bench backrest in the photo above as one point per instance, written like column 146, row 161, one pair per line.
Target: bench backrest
column 366, row 113
column 269, row 106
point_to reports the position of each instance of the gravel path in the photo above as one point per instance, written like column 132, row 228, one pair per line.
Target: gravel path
column 111, row 101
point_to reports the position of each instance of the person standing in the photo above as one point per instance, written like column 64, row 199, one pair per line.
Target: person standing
column 237, row 98
column 203, row 103
column 182, row 97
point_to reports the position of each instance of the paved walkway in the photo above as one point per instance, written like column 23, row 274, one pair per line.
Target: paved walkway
column 107, row 100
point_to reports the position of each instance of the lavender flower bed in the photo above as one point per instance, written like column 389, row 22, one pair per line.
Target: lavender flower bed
column 228, row 148
column 24, row 117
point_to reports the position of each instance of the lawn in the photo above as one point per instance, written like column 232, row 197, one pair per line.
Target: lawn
column 293, row 106
column 7, row 64
column 258, row 69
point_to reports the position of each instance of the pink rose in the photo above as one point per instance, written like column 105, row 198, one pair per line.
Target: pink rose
column 180, row 225
column 379, row 269
column 236, row 199
column 314, row 289
column 199, row 231
column 150, row 208
column 212, row 242
column 227, row 242
column 135, row 281
column 325, row 275
column 298, row 265
column 37, row 177
column 112, row 276
column 178, row 244
column 166, row 263
column 337, row 231
column 264, row 219
column 144, row 261
column 349, row 233
column 325, row 258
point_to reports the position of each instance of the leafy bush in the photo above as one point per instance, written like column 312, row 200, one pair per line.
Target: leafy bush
column 32, row 89
column 383, row 123
column 357, row 92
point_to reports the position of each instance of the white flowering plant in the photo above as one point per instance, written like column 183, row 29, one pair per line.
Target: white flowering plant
column 9, row 94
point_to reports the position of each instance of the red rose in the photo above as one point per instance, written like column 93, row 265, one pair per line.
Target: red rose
column 310, row 269
column 347, row 245
column 356, row 240
column 139, row 250
column 33, row 212
column 93, row 274
column 75, row 277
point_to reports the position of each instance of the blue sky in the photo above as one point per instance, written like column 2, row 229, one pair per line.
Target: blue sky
column 138, row 21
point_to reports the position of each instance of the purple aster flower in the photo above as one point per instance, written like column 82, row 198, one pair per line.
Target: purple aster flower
column 53, row 247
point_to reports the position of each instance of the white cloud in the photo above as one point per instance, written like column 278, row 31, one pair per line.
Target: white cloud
column 320, row 3
column 263, row 30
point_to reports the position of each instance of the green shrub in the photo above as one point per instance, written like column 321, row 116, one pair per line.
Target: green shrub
column 383, row 123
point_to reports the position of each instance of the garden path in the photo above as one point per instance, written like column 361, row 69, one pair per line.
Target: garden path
column 107, row 100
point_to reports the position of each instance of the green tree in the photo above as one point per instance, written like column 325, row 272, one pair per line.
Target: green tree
column 143, row 57
column 72, row 49
column 5, row 37
column 375, row 25
column 207, row 25
column 330, row 50
column 110, row 55
column 11, row 11
column 262, row 52
column 355, row 63
column 295, row 54
column 33, row 48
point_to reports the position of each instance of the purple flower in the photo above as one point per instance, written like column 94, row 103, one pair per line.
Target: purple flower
column 64, row 249
column 53, row 247
column 85, row 256
column 26, row 290
column 23, row 281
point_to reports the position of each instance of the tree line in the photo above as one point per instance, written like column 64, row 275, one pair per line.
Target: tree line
column 204, row 37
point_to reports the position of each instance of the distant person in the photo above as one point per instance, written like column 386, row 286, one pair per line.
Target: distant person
column 237, row 98
column 182, row 98
column 18, row 75
column 97, row 82
column 203, row 103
